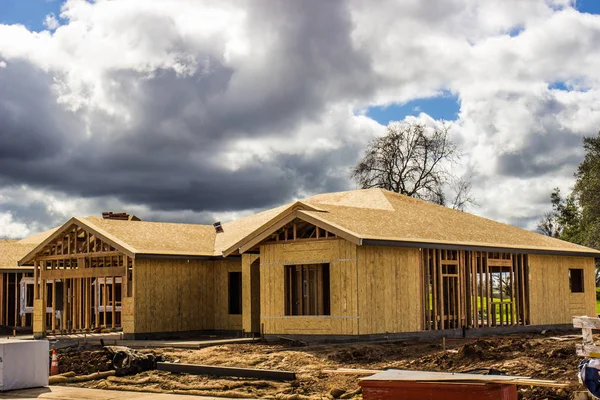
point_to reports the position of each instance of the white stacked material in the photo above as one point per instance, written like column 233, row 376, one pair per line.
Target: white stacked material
column 23, row 364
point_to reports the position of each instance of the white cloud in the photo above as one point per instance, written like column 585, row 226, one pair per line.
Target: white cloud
column 264, row 95
column 9, row 229
column 51, row 22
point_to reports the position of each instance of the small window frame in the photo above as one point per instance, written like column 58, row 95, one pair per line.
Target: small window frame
column 234, row 300
column 576, row 280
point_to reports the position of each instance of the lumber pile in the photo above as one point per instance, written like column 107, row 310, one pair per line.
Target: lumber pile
column 457, row 377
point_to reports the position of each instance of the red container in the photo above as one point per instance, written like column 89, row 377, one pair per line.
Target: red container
column 413, row 385
column 388, row 390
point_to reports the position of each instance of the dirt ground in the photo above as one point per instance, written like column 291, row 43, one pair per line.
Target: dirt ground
column 549, row 356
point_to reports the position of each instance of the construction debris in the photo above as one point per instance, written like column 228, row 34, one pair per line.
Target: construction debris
column 126, row 361
column 227, row 371
column 70, row 378
column 543, row 357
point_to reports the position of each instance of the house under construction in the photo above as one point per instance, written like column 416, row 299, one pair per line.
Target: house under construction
column 339, row 265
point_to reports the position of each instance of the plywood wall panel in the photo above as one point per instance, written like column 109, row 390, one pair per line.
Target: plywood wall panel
column 549, row 295
column 341, row 257
column 181, row 295
column 389, row 290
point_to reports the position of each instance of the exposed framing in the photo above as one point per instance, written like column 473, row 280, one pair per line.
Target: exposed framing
column 474, row 289
column 81, row 261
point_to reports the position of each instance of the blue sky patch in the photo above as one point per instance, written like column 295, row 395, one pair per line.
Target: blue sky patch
column 30, row 13
column 560, row 85
column 588, row 6
column 442, row 107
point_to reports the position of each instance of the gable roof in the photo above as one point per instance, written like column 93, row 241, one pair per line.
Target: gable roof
column 377, row 216
column 141, row 238
column 241, row 230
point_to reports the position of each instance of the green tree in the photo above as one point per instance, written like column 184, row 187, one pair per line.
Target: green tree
column 576, row 218
column 587, row 190
column 564, row 221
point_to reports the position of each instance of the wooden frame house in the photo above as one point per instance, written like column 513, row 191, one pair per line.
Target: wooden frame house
column 161, row 278
column 363, row 263
column 16, row 308
column 376, row 263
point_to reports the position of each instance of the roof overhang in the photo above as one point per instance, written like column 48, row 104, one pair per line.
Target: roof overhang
column 154, row 256
column 475, row 247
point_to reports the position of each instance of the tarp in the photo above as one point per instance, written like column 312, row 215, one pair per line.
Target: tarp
column 589, row 374
column 23, row 364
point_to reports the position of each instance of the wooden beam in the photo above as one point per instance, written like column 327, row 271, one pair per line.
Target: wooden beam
column 83, row 273
column 226, row 371
column 79, row 255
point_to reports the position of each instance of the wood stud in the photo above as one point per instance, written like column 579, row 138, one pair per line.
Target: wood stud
column 86, row 256
column 473, row 289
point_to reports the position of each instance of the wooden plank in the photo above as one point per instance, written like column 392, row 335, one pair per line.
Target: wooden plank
column 64, row 313
column 16, row 301
column 53, row 306
column 84, row 273
column 226, row 371
column 493, row 262
column 36, row 292
column 105, row 301
column 96, row 304
column 61, row 257
column 424, row 285
column 586, row 322
column 114, row 302
column 488, row 285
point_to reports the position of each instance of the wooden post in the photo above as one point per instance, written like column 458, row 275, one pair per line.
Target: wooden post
column 6, row 297
column 434, row 297
column 2, row 300
column 441, row 311
column 16, row 302
column 53, row 305
column 87, row 304
column 488, row 298
column 44, row 296
column 114, row 302
column 71, row 304
column 501, row 296
column 125, row 280
column 64, row 313
column 80, row 302
column 104, row 300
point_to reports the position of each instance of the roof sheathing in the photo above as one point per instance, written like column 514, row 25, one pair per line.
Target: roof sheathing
column 371, row 217
column 417, row 221
column 11, row 252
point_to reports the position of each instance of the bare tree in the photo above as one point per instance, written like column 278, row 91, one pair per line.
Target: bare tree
column 412, row 160
column 462, row 197
column 548, row 225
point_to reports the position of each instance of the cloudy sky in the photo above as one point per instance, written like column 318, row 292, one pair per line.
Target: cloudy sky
column 197, row 111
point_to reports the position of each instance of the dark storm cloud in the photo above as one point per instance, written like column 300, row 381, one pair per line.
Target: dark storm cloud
column 548, row 149
column 168, row 155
